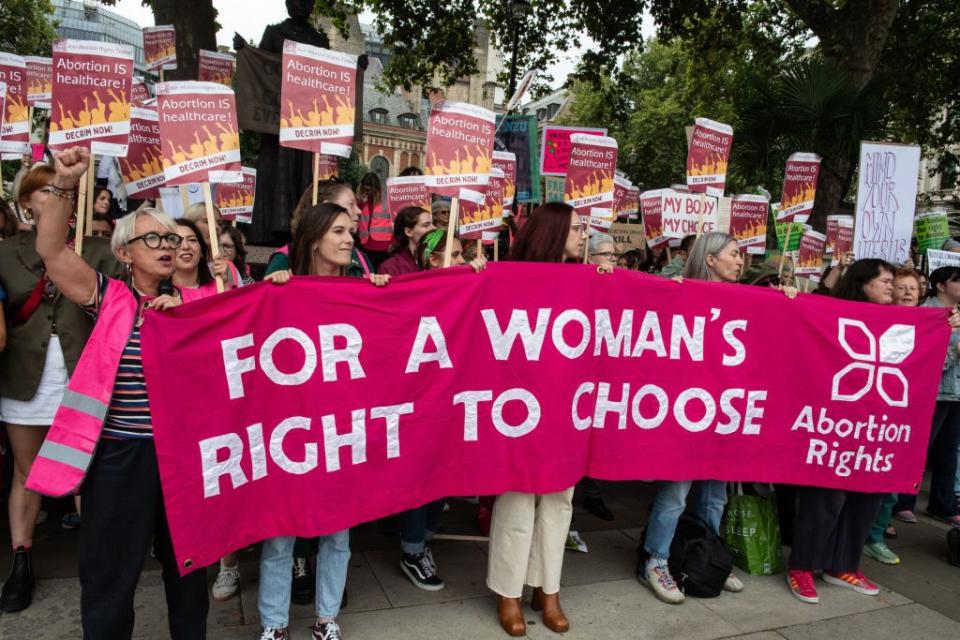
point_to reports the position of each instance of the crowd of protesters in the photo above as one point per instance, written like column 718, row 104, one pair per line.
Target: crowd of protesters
column 58, row 307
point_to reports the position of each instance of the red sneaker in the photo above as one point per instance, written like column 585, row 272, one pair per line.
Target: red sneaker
column 852, row 580
column 801, row 586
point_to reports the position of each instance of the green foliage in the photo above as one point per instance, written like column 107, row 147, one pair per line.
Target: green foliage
column 25, row 27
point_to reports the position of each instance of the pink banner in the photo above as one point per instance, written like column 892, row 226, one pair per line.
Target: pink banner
column 555, row 147
column 369, row 401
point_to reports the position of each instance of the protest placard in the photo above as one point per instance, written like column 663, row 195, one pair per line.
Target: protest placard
column 39, row 81
column 631, row 207
column 708, row 155
column 507, row 162
column 216, row 67
column 235, row 200
column 317, row 97
column 198, row 125
column 839, row 237
column 810, row 256
column 160, row 47
column 172, row 198
column 621, row 191
column 628, row 236
column 91, row 96
column 651, row 209
column 3, row 111
column 471, row 213
column 686, row 214
column 788, row 235
column 459, row 147
column 407, row 191
column 799, row 187
column 932, row 229
column 555, row 147
column 15, row 131
column 142, row 169
column 937, row 258
column 553, row 189
column 748, row 222
column 590, row 172
column 524, row 378
column 139, row 92
column 518, row 135
column 886, row 199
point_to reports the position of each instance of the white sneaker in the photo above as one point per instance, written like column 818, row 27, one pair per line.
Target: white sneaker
column 228, row 580
column 733, row 584
column 657, row 577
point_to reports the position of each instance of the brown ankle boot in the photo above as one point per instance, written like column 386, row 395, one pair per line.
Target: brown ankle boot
column 553, row 616
column 511, row 616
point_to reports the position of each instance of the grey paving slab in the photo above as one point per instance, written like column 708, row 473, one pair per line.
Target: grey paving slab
column 611, row 556
column 472, row 619
column 896, row 623
column 760, row 635
column 462, row 565
column 766, row 603
column 55, row 612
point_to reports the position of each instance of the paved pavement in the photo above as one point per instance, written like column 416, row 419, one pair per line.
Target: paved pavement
column 920, row 599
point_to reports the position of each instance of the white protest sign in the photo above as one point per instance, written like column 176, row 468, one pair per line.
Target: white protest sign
column 937, row 259
column 681, row 213
column 886, row 199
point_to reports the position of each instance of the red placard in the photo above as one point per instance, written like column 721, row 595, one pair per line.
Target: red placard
column 590, row 172
column 216, row 67
column 459, row 147
column 631, row 207
column 507, row 162
column 470, row 212
column 748, row 222
column 160, row 47
column 799, row 187
column 91, row 96
column 708, row 155
column 235, row 200
column 485, row 215
column 15, row 132
column 39, row 81
column 407, row 191
column 317, row 98
column 198, row 126
column 651, row 208
column 839, row 237
column 555, row 147
column 139, row 92
column 810, row 254
column 142, row 169
column 621, row 191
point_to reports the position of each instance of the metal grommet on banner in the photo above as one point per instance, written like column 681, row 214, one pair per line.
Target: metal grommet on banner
column 599, row 268
column 187, row 564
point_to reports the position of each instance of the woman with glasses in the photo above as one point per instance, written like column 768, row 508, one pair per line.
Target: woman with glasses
column 45, row 334
column 103, row 428
column 603, row 250
column 193, row 281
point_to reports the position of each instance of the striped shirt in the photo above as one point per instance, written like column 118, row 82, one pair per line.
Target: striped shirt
column 129, row 412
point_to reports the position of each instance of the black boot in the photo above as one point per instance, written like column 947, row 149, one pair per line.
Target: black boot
column 18, row 589
column 304, row 583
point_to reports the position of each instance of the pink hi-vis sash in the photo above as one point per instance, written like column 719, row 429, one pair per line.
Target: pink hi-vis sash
column 327, row 402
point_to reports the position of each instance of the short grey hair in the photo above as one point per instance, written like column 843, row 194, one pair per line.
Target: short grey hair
column 197, row 212
column 598, row 239
column 126, row 228
column 709, row 244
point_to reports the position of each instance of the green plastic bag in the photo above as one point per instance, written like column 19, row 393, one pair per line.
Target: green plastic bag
column 753, row 533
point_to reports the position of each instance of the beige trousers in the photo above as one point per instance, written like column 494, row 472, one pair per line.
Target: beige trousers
column 527, row 539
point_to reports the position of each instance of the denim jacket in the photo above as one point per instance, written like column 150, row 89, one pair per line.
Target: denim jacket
column 950, row 379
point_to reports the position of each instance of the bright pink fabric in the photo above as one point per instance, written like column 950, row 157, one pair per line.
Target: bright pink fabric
column 791, row 350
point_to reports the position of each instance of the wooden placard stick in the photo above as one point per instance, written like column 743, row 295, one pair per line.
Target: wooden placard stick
column 496, row 249
column 81, row 213
column 184, row 199
column 316, row 177
column 90, row 175
column 703, row 202
column 451, row 229
column 480, row 251
column 783, row 250
column 212, row 230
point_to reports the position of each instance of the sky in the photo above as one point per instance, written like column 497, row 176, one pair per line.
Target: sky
column 240, row 17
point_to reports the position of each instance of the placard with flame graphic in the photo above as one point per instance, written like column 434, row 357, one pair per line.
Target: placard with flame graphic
column 236, row 200
column 708, row 155
column 810, row 254
column 485, row 214
column 91, row 96
column 216, row 67
column 651, row 208
column 590, row 172
column 160, row 47
column 748, row 222
column 15, row 132
column 621, row 193
column 198, row 130
column 142, row 169
column 507, row 162
column 459, row 147
column 407, row 191
column 317, row 99
column 799, row 187
column 139, row 92
column 39, row 81
column 839, row 237
column 631, row 206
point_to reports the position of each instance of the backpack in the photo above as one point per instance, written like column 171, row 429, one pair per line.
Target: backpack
column 953, row 547
column 699, row 561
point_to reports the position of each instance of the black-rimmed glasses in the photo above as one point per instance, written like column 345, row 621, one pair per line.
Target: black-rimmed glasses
column 153, row 240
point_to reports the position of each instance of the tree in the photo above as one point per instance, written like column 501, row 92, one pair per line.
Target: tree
column 25, row 27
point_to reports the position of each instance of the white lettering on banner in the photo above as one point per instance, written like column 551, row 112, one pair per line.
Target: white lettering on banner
column 472, row 399
column 429, row 329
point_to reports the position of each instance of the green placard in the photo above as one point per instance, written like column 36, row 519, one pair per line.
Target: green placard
column 795, row 235
column 553, row 189
column 932, row 230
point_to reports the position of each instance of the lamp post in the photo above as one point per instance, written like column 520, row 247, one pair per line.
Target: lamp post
column 518, row 12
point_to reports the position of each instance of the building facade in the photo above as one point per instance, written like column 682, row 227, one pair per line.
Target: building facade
column 89, row 20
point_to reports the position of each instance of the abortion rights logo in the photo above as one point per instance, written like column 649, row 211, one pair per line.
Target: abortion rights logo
column 874, row 362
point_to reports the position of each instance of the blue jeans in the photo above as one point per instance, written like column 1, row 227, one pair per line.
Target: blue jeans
column 670, row 503
column 417, row 526
column 276, row 569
